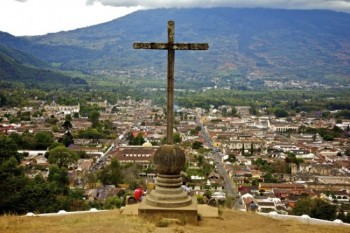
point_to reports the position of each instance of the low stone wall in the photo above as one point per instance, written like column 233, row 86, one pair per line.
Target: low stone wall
column 306, row 219
column 63, row 212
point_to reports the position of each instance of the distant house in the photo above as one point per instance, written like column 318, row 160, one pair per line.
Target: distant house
column 291, row 201
column 246, row 200
column 248, row 189
column 54, row 108
column 282, row 127
column 284, row 193
column 341, row 196
column 6, row 129
column 294, row 188
column 32, row 153
column 213, row 175
column 135, row 154
column 216, row 180
column 266, row 206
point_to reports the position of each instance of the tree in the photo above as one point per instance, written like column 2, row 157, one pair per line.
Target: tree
column 66, row 139
column 231, row 158
column 68, row 117
column 193, row 132
column 281, row 113
column 253, row 110
column 90, row 133
column 55, row 129
column 291, row 158
column 224, row 111
column 67, row 125
column 196, row 145
column 52, row 120
column 25, row 116
column 8, row 148
column 62, row 156
column 337, row 129
column 342, row 216
column 347, row 151
column 82, row 154
column 138, row 140
column 94, row 116
column 328, row 137
column 269, row 178
column 40, row 196
column 113, row 202
column 303, row 206
column 43, row 140
column 130, row 175
column 177, row 138
column 91, row 179
column 323, row 210
column 315, row 208
column 3, row 100
column 234, row 111
column 111, row 174
column 28, row 140
column 17, row 139
column 76, row 115
column 11, row 186
column 58, row 175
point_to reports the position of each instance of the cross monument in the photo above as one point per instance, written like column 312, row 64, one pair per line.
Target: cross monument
column 171, row 46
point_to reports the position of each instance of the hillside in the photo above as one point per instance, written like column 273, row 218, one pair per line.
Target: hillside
column 14, row 70
column 231, row 221
column 23, row 58
column 268, row 43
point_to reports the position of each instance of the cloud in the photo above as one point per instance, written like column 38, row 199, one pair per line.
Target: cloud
column 338, row 5
column 21, row 0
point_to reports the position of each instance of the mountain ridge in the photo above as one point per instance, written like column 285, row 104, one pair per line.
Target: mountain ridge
column 268, row 43
column 13, row 70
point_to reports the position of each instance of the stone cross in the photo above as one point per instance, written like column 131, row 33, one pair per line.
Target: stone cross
column 171, row 47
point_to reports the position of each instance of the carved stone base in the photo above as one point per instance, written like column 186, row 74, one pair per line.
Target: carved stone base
column 168, row 193
column 186, row 214
column 168, row 199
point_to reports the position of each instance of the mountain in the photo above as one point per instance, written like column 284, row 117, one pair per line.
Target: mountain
column 15, row 71
column 255, row 43
column 23, row 58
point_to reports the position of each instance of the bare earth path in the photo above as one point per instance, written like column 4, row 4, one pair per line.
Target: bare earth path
column 113, row 221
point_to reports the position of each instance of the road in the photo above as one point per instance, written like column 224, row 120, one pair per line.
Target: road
column 138, row 118
column 216, row 155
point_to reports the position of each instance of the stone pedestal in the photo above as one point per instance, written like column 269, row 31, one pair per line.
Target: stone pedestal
column 168, row 199
column 168, row 193
column 185, row 214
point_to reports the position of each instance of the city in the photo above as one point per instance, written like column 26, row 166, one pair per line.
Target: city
column 246, row 130
column 233, row 157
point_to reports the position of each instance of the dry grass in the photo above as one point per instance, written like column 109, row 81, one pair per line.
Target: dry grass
column 105, row 222
column 113, row 221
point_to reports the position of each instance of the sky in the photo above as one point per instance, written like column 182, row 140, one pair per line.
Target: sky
column 39, row 17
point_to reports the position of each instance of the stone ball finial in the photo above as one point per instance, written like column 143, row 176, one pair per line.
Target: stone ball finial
column 169, row 159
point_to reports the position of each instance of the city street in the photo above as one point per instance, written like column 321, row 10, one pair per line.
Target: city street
column 230, row 187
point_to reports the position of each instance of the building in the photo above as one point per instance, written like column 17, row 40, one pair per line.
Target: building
column 135, row 154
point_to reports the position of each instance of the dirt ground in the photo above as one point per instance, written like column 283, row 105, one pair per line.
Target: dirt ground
column 113, row 221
